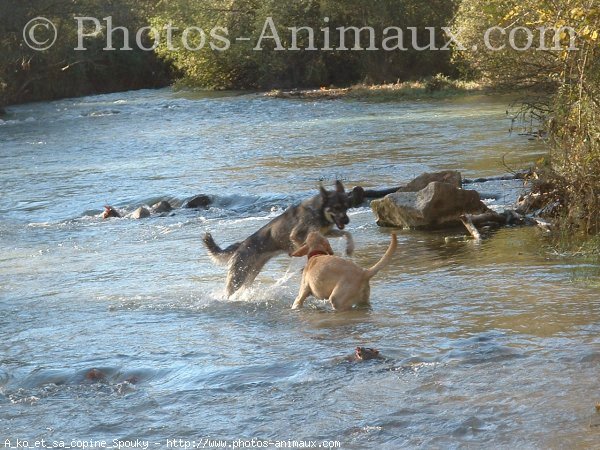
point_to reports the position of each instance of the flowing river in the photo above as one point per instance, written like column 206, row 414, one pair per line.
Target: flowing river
column 490, row 345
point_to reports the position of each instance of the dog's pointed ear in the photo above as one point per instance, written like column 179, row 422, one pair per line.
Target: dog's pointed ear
column 322, row 191
column 339, row 187
column 302, row 251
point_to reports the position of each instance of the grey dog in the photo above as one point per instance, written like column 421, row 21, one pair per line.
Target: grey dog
column 285, row 234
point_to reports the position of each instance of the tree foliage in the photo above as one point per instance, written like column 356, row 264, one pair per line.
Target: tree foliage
column 242, row 67
column 26, row 74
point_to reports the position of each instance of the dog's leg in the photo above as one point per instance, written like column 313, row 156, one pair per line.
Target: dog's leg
column 341, row 298
column 244, row 269
column 347, row 235
column 240, row 274
column 363, row 298
column 302, row 295
column 234, row 281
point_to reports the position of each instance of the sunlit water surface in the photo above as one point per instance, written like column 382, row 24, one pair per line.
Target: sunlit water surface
column 491, row 345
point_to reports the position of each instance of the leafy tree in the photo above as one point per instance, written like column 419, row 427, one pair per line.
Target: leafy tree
column 242, row 67
column 60, row 71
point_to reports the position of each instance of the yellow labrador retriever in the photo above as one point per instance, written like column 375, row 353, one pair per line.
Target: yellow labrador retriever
column 330, row 277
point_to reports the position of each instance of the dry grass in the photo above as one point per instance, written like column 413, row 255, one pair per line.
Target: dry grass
column 435, row 87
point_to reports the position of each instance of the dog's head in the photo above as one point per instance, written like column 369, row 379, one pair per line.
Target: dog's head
column 315, row 242
column 335, row 205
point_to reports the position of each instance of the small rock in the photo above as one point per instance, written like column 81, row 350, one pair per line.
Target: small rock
column 133, row 379
column 106, row 112
column 199, row 201
column 95, row 375
column 436, row 206
column 109, row 211
column 140, row 213
column 366, row 353
column 162, row 207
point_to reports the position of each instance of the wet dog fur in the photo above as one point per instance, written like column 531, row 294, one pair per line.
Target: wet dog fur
column 341, row 281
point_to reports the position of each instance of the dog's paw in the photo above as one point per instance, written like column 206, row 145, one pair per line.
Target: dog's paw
column 350, row 248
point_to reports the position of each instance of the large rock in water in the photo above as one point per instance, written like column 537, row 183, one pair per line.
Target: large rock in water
column 438, row 205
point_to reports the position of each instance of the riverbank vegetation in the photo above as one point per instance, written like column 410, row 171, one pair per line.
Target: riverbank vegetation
column 244, row 66
column 438, row 86
column 31, row 75
column 566, row 83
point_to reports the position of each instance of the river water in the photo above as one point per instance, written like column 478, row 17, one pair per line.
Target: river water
column 490, row 345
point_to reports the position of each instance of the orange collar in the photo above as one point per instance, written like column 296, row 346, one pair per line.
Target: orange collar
column 317, row 253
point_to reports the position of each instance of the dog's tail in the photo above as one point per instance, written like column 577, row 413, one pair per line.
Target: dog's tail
column 219, row 255
column 385, row 259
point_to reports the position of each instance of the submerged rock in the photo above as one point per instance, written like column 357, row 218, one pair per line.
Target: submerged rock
column 95, row 375
column 162, row 207
column 437, row 205
column 140, row 213
column 199, row 201
column 356, row 196
column 104, row 112
column 366, row 353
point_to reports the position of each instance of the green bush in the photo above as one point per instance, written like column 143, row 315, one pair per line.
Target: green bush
column 60, row 71
column 243, row 67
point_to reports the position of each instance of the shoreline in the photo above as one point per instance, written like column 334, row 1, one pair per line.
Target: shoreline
column 436, row 87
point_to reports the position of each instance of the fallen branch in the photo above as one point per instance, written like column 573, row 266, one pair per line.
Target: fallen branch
column 380, row 193
column 515, row 176
column 489, row 218
column 492, row 219
column 468, row 223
